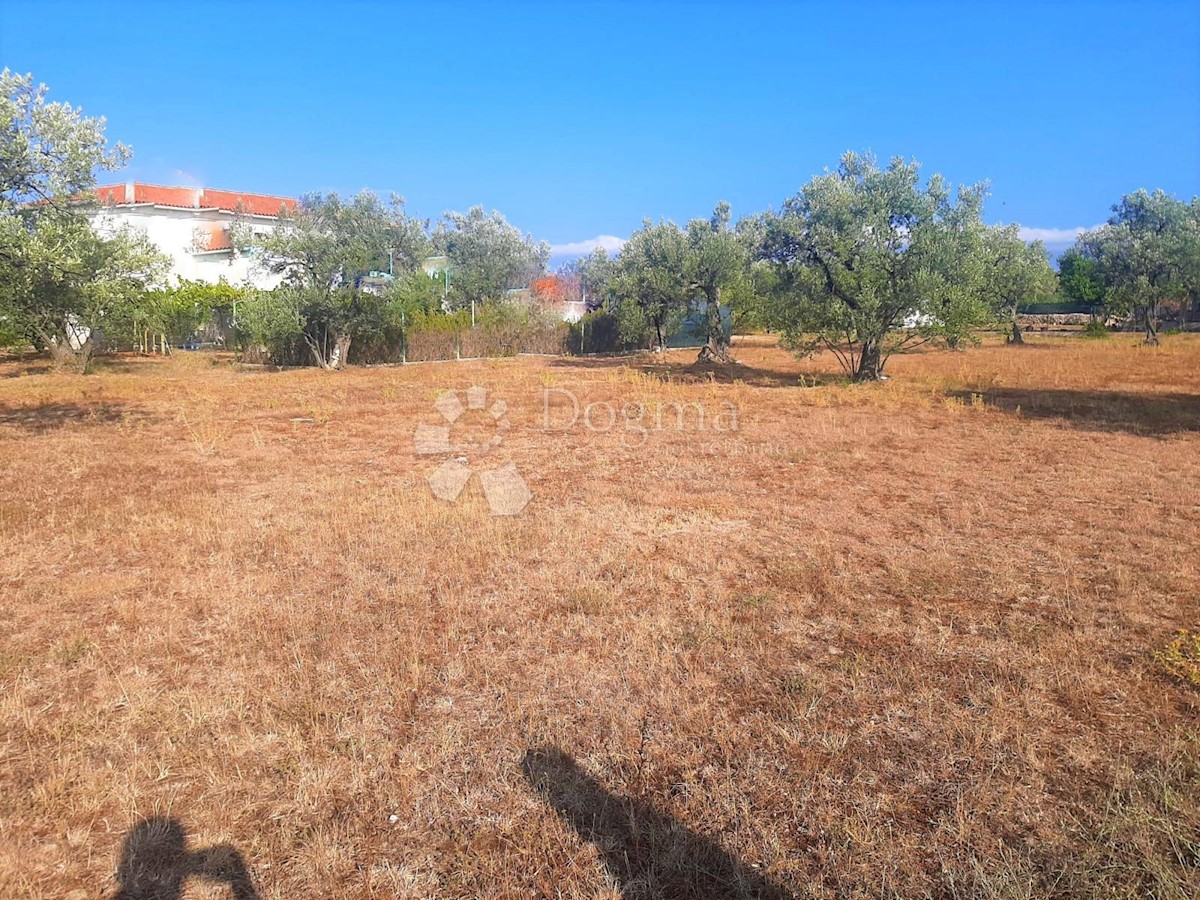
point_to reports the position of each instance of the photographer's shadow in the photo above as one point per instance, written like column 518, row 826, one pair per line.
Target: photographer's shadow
column 650, row 854
column 155, row 863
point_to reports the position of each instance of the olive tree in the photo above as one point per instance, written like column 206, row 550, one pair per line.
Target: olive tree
column 1147, row 253
column 61, row 280
column 1015, row 273
column 665, row 271
column 50, row 151
column 717, row 267
column 869, row 262
column 69, row 283
column 593, row 273
column 488, row 256
column 650, row 283
column 322, row 249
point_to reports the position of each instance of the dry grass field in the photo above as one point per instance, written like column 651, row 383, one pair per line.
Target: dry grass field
column 892, row 640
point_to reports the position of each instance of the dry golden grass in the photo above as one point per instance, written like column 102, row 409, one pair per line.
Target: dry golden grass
column 882, row 640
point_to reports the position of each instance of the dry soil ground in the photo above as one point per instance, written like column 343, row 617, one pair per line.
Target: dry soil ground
column 879, row 640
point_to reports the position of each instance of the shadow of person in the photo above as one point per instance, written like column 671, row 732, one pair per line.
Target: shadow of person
column 155, row 862
column 649, row 853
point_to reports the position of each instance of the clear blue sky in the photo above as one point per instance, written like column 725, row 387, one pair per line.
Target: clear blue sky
column 580, row 119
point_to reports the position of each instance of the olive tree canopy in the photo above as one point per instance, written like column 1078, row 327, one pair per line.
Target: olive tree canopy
column 1148, row 254
column 322, row 249
column 60, row 279
column 869, row 261
column 1015, row 273
column 488, row 256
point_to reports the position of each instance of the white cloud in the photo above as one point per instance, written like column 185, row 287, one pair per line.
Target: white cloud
column 1052, row 235
column 608, row 242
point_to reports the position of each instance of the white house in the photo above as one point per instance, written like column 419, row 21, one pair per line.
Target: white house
column 191, row 226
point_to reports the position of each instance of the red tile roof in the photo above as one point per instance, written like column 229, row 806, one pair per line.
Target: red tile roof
column 193, row 198
column 218, row 238
column 258, row 204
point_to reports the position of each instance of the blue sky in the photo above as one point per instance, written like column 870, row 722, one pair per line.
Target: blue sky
column 578, row 120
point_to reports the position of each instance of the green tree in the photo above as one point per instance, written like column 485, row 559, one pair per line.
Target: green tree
column 72, row 282
column 1015, row 274
column 1191, row 263
column 411, row 295
column 1147, row 253
column 488, row 256
column 718, row 269
column 650, row 283
column 176, row 313
column 60, row 281
column 1080, row 279
column 594, row 274
column 763, row 290
column 869, row 262
column 270, row 322
column 323, row 249
column 664, row 271
column 409, row 300
column 50, row 151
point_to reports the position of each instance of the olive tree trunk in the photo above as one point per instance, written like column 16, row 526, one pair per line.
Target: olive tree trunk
column 716, row 346
column 660, row 342
column 330, row 351
column 870, row 361
column 1150, row 317
column 1016, row 337
column 64, row 356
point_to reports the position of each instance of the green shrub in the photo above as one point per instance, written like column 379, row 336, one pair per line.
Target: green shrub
column 1095, row 329
column 269, row 330
column 501, row 329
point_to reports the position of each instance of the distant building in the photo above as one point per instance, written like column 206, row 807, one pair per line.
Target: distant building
column 191, row 226
column 560, row 295
column 573, row 310
column 374, row 282
column 435, row 266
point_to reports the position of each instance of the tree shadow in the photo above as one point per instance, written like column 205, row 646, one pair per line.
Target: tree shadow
column 16, row 363
column 47, row 416
column 126, row 363
column 1149, row 414
column 155, row 863
column 650, row 854
column 700, row 372
column 742, row 373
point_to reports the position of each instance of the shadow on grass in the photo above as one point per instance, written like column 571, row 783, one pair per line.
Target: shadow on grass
column 649, row 853
column 16, row 365
column 155, row 863
column 1143, row 414
column 126, row 363
column 48, row 416
column 695, row 372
